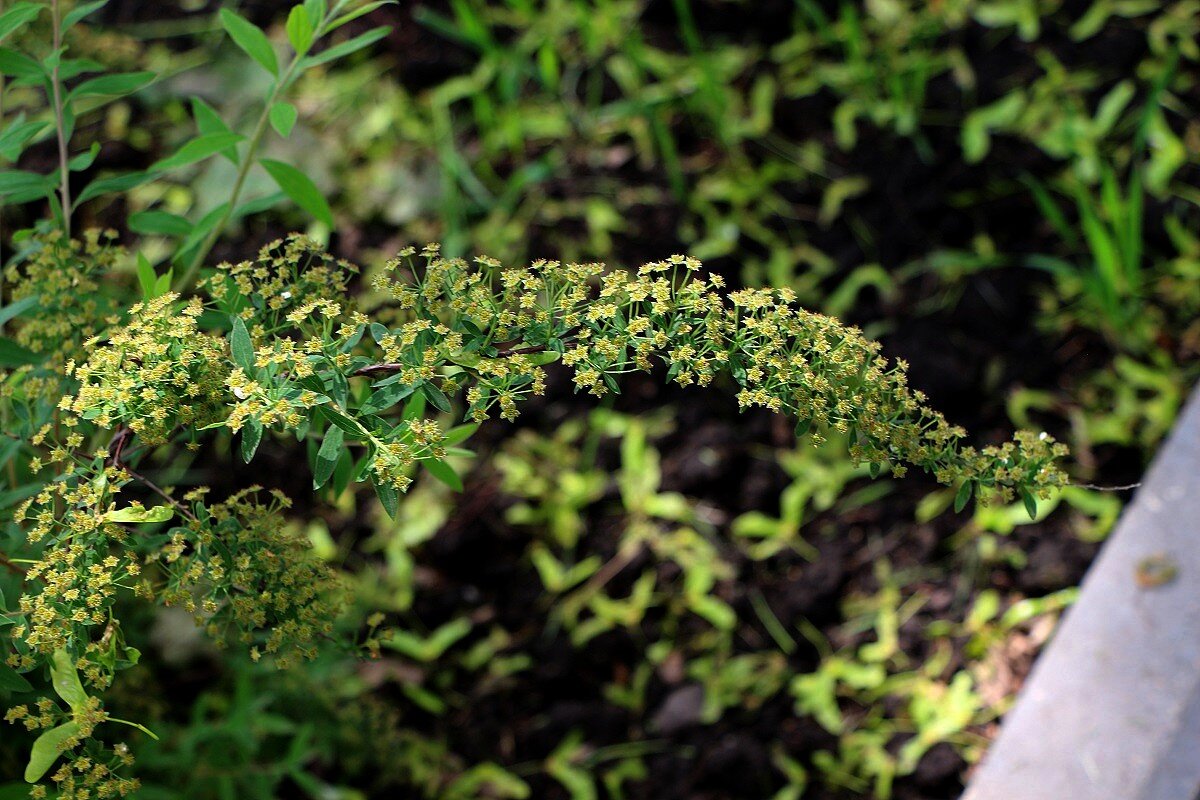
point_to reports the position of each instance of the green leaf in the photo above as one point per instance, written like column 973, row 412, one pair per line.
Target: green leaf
column 14, row 355
column 388, row 498
column 385, row 397
column 201, row 229
column 118, row 84
column 460, row 434
column 251, row 39
column 979, row 124
column 327, row 456
column 283, row 118
column 18, row 17
column 316, row 9
column 146, row 276
column 19, row 65
column 46, row 750
column 1030, row 503
column 444, row 473
column 117, row 183
column 17, row 135
column 209, row 121
column 298, row 186
column 963, row 495
column 342, row 421
column 74, row 67
column 258, row 205
column 12, row 681
column 65, row 679
column 432, row 647
column 197, row 149
column 240, row 345
column 347, row 47
column 17, row 308
column 299, row 29
column 159, row 223
column 163, row 284
column 415, row 407
column 20, row 186
column 135, row 514
column 80, row 11
column 358, row 12
column 82, row 161
column 252, row 433
column 437, row 398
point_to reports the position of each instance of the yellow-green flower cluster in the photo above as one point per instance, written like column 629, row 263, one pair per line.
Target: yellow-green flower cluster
column 407, row 443
column 65, row 276
column 300, row 359
column 493, row 328
column 155, row 373
column 89, row 768
column 287, row 274
column 73, row 586
column 81, row 770
column 242, row 571
column 88, row 777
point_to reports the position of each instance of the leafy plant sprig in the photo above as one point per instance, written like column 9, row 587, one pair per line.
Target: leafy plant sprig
column 298, row 361
column 309, row 25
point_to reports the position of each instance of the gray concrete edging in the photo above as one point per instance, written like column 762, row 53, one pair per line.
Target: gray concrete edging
column 1111, row 710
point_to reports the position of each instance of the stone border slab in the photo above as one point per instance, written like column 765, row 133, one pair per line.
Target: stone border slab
column 1111, row 710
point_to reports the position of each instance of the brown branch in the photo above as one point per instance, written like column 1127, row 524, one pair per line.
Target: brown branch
column 64, row 165
column 505, row 350
column 520, row 351
column 10, row 566
column 372, row 369
column 160, row 492
column 116, row 447
column 1094, row 487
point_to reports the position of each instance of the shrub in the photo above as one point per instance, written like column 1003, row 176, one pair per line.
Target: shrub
column 97, row 384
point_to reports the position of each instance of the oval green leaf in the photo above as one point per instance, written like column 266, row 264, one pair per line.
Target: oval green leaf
column 135, row 514
column 66, row 680
column 250, row 39
column 298, row 186
column 46, row 750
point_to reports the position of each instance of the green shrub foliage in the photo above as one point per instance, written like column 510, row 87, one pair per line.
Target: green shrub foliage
column 275, row 347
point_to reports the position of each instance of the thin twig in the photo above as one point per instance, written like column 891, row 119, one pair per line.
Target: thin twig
column 520, row 351
column 1123, row 488
column 391, row 367
column 10, row 566
column 116, row 448
column 282, row 83
column 160, row 492
column 116, row 445
column 374, row 369
column 64, row 188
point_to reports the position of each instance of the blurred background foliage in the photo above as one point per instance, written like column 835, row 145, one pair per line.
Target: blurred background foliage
column 660, row 599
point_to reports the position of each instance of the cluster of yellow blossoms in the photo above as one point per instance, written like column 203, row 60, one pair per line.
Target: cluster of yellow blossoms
column 63, row 277
column 155, row 373
column 244, row 572
column 493, row 329
column 299, row 358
